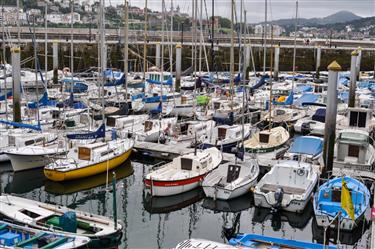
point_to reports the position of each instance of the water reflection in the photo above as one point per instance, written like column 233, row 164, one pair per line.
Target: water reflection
column 69, row 187
column 295, row 220
column 155, row 205
column 162, row 222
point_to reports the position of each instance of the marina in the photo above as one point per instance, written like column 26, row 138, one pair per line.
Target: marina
column 141, row 126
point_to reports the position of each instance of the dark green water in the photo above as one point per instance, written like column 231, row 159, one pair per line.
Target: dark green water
column 163, row 222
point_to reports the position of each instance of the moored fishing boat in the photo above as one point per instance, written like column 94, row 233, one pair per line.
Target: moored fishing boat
column 184, row 173
column 16, row 236
column 288, row 186
column 47, row 217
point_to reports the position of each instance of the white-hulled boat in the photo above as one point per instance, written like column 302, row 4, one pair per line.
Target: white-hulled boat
column 34, row 156
column 225, row 137
column 101, row 230
column 231, row 180
column 89, row 159
column 184, row 173
column 288, row 186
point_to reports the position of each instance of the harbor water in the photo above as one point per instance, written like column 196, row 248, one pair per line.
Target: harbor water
column 163, row 222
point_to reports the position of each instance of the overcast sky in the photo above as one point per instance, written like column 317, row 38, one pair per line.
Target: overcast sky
column 277, row 8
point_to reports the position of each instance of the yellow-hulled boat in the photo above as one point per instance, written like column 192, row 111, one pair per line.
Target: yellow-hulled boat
column 88, row 160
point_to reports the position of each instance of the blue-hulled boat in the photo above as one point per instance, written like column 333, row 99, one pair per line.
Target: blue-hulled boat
column 260, row 241
column 327, row 202
column 15, row 236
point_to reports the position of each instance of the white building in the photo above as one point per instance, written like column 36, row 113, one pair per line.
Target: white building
column 63, row 18
column 277, row 30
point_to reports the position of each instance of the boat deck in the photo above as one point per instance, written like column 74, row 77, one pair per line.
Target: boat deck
column 287, row 190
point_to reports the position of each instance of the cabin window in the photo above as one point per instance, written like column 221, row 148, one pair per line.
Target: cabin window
column 55, row 114
column 336, row 195
column 221, row 133
column 204, row 164
column 11, row 141
column 353, row 150
column 280, row 112
column 84, row 153
column 264, row 137
column 233, row 173
column 186, row 163
column 30, row 213
column 357, row 119
column 148, row 125
column 111, row 121
column 216, row 105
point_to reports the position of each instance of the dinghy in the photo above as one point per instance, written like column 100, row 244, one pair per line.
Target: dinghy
column 47, row 217
column 327, row 202
column 184, row 173
column 231, row 180
column 261, row 241
column 287, row 186
column 15, row 236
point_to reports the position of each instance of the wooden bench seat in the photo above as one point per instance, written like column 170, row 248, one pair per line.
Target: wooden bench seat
column 287, row 190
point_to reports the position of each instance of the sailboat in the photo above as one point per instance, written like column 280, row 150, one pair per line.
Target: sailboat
column 84, row 160
column 90, row 159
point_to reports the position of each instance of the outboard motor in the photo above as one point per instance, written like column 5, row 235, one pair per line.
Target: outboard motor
column 305, row 128
column 279, row 194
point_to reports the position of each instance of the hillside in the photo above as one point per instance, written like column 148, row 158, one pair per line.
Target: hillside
column 339, row 17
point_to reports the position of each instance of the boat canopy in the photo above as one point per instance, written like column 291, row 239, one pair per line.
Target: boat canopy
column 319, row 115
column 307, row 145
column 306, row 98
column 21, row 125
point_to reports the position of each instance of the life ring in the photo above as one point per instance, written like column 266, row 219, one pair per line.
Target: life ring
column 300, row 172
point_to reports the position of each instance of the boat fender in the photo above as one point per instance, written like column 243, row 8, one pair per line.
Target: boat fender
column 300, row 172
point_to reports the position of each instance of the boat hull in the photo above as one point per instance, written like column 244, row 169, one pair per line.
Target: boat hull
column 296, row 206
column 27, row 162
column 226, row 194
column 57, row 175
column 167, row 188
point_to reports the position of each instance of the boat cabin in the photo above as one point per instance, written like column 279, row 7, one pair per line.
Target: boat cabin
column 156, row 76
column 352, row 146
column 194, row 163
column 227, row 132
column 359, row 117
column 90, row 151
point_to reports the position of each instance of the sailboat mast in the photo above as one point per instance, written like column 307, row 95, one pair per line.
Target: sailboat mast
column 36, row 70
column 4, row 68
column 232, row 55
column 126, row 49
column 270, row 82
column 18, row 24
column 162, row 51
column 171, row 56
column 200, row 37
column 45, row 39
column 265, row 38
column 102, row 54
column 212, row 34
column 243, row 79
column 295, row 47
column 145, row 42
column 71, row 45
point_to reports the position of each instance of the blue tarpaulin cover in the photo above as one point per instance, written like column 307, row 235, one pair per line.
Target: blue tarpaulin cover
column 306, row 98
column 307, row 145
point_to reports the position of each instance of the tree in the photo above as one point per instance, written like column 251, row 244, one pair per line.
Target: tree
column 225, row 23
